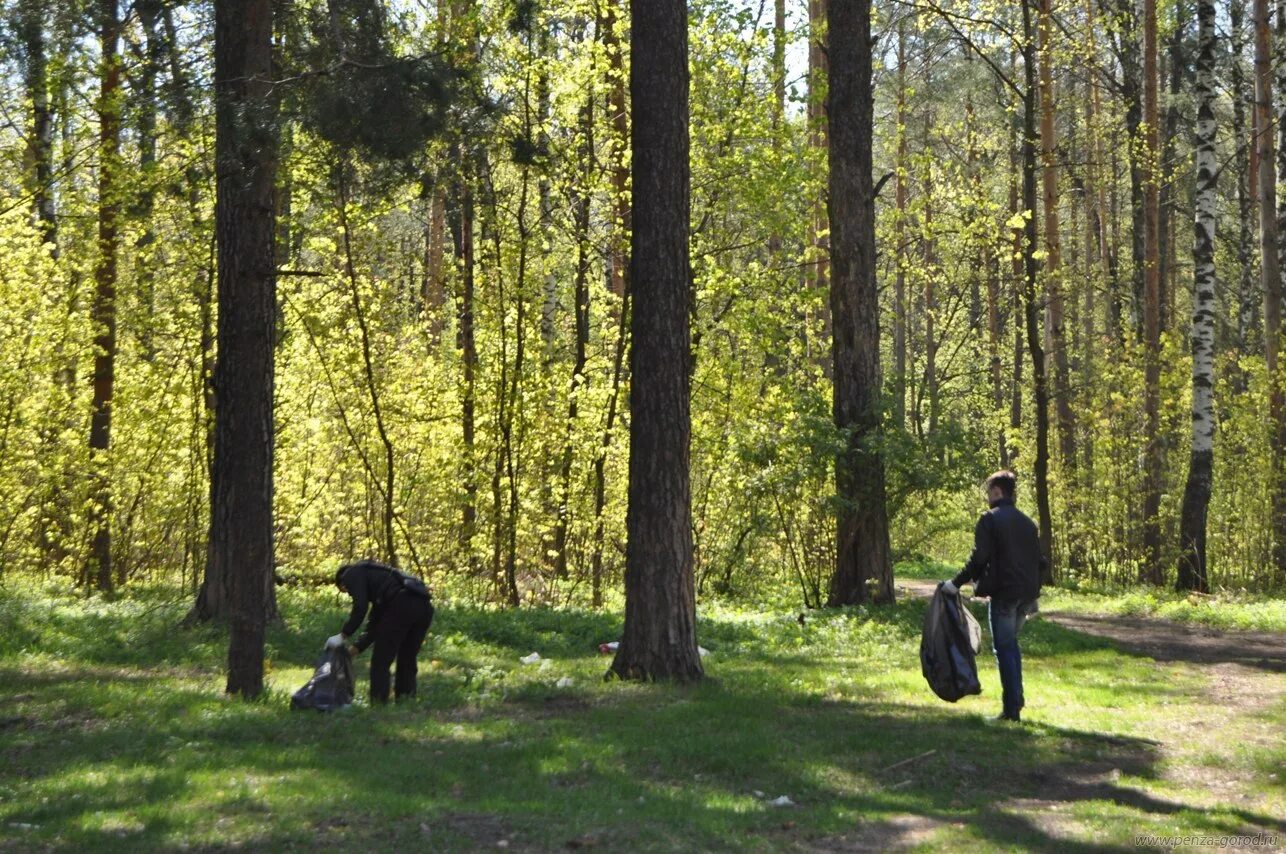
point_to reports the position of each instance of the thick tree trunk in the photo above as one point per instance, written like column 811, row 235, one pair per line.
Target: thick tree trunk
column 1152, row 571
column 1193, row 573
column 104, row 315
column 659, row 640
column 862, row 536
column 1031, row 273
column 241, row 523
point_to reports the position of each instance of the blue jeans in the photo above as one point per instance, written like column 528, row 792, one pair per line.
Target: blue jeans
column 1006, row 617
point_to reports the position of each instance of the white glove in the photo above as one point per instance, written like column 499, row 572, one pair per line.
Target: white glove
column 334, row 641
column 949, row 588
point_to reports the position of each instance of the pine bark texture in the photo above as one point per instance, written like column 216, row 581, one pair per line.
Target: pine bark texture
column 659, row 640
column 1196, row 494
column 863, row 562
column 1055, row 339
column 104, row 312
column 1153, row 467
column 241, row 524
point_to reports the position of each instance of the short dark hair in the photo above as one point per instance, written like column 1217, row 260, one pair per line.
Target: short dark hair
column 1005, row 481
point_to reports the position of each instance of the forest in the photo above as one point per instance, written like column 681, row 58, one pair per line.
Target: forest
column 1073, row 272
column 692, row 324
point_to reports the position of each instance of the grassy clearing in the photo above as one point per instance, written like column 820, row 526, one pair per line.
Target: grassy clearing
column 115, row 735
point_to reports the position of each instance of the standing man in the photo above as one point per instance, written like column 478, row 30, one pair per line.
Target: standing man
column 1005, row 565
column 401, row 613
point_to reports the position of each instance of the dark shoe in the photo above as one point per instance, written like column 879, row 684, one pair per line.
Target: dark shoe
column 1008, row 716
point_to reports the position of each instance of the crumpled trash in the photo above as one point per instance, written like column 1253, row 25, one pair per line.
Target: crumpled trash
column 783, row 801
column 702, row 651
column 608, row 648
column 530, row 659
column 565, row 682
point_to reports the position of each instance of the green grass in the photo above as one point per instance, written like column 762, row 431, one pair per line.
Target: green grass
column 115, row 735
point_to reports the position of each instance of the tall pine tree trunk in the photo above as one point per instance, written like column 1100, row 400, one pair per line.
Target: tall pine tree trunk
column 659, row 640
column 104, row 315
column 1193, row 573
column 1246, row 297
column 1153, row 466
column 240, row 575
column 862, row 533
column 818, row 227
column 1040, row 389
column 1055, row 338
column 1273, row 294
column 899, row 242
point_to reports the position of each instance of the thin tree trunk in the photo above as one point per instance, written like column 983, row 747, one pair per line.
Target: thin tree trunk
column 929, row 293
column 104, row 315
column 899, row 241
column 1193, row 572
column 1273, row 287
column 817, row 139
column 1152, row 570
column 241, row 524
column 579, row 380
column 618, row 254
column 40, row 143
column 1055, row 338
column 862, row 536
column 388, row 489
column 1030, row 275
column 1246, row 296
column 659, row 639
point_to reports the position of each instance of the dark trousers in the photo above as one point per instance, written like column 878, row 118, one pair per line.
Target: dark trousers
column 1007, row 617
column 398, row 636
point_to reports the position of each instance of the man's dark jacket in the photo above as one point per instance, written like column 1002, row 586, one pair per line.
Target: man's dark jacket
column 1006, row 562
column 374, row 584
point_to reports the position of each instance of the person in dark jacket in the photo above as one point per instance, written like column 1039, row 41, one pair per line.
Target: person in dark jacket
column 401, row 613
column 1006, row 565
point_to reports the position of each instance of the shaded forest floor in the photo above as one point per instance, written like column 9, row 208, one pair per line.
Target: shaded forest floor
column 115, row 735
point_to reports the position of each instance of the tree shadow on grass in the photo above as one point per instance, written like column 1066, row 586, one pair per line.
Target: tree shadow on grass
column 640, row 767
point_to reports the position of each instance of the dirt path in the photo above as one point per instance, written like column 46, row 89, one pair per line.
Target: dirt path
column 1245, row 676
column 1161, row 639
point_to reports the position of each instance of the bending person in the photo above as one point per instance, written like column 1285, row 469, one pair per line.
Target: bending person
column 401, row 613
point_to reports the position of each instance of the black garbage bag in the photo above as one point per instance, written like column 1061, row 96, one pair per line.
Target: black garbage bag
column 948, row 647
column 331, row 685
